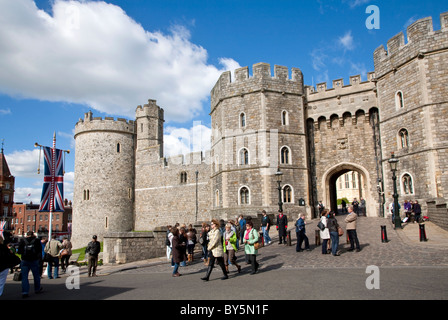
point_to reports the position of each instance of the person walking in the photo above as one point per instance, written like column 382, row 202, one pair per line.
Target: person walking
column 325, row 234
column 229, row 247
column 242, row 223
column 191, row 242
column 215, row 251
column 300, row 233
column 30, row 249
column 351, row 229
column 265, row 226
column 250, row 238
column 178, row 249
column 66, row 253
column 93, row 250
column 333, row 226
column 282, row 226
column 53, row 247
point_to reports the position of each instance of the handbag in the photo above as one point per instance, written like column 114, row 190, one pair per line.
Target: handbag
column 340, row 231
column 321, row 226
column 63, row 252
column 47, row 257
column 17, row 276
column 257, row 245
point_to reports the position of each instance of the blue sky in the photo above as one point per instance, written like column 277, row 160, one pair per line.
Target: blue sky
column 60, row 59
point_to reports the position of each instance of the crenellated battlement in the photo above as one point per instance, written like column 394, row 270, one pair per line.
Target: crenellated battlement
column 260, row 81
column 90, row 123
column 151, row 109
column 338, row 88
column 421, row 40
column 191, row 158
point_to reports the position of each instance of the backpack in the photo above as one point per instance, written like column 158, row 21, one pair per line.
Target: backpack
column 29, row 250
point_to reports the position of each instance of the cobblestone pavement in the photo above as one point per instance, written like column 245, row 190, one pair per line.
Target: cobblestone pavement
column 402, row 250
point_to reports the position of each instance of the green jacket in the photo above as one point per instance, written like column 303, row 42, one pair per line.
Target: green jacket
column 232, row 240
column 253, row 238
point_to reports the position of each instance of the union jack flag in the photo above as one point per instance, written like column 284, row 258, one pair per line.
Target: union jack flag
column 2, row 228
column 53, row 193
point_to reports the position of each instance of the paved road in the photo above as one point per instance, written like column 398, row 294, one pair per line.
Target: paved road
column 406, row 269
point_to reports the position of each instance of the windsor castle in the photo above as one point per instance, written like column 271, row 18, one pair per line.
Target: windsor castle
column 261, row 123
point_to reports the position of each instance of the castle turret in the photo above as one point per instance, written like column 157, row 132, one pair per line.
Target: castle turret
column 412, row 89
column 257, row 127
column 104, row 178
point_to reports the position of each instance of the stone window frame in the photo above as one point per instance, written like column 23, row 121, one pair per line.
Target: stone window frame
column 399, row 100
column 247, row 196
column 242, row 120
column 291, row 193
column 285, row 117
column 246, row 162
column 183, row 177
column 402, row 186
column 289, row 159
column 400, row 138
column 217, row 198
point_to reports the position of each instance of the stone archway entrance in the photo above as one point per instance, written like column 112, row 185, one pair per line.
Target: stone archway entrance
column 330, row 188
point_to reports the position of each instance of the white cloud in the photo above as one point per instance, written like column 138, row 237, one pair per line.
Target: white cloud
column 23, row 165
column 182, row 141
column 347, row 41
column 93, row 53
column 5, row 111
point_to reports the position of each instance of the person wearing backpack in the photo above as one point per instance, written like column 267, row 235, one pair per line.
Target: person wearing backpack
column 53, row 247
column 30, row 249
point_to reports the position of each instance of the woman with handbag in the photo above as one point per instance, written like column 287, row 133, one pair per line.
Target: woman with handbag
column 230, row 242
column 251, row 241
column 324, row 233
column 215, row 251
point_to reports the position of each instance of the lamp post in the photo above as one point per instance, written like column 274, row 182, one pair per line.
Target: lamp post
column 393, row 162
column 279, row 174
column 197, row 204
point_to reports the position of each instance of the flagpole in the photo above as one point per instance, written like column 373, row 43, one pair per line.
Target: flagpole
column 53, row 163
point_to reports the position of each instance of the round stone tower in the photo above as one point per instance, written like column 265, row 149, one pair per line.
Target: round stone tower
column 104, row 178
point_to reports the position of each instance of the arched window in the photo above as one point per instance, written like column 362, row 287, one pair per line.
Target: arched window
column 285, row 155
column 399, row 100
column 244, row 195
column 242, row 120
column 183, row 177
column 407, row 185
column 287, row 194
column 285, row 118
column 403, row 136
column 244, row 156
column 118, row 148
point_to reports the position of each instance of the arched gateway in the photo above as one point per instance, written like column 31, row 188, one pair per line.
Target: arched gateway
column 328, row 185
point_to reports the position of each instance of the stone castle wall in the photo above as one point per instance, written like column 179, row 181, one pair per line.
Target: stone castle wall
column 416, row 70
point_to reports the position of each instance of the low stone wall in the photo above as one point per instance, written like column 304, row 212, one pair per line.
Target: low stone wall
column 438, row 212
column 125, row 247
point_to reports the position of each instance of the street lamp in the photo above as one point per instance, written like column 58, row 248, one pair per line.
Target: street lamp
column 279, row 174
column 393, row 162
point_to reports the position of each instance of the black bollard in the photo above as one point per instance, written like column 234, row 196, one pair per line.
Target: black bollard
column 288, row 237
column 422, row 232
column 384, row 234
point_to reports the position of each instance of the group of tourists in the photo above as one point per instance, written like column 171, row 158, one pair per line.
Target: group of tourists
column 220, row 241
column 34, row 253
